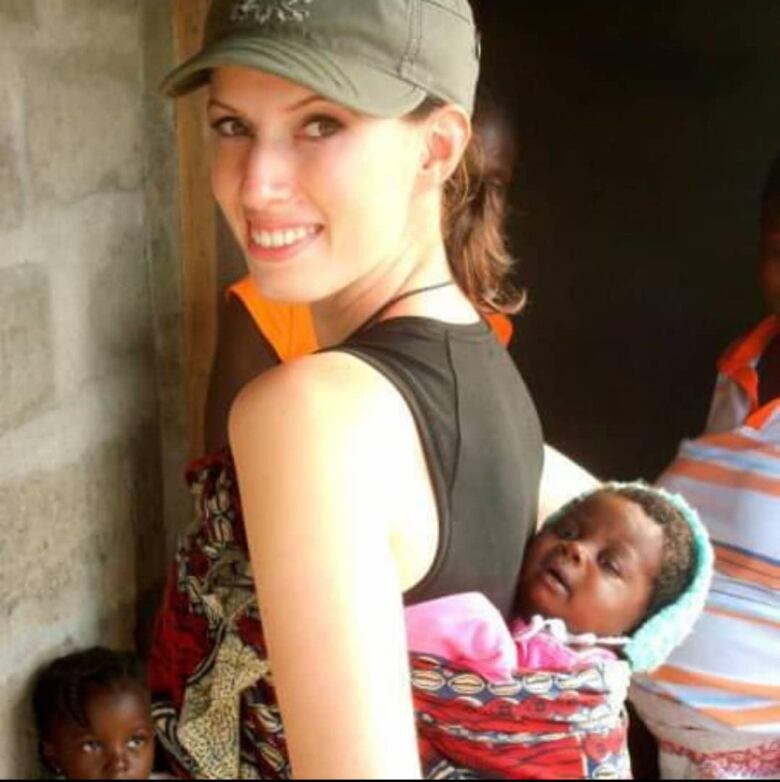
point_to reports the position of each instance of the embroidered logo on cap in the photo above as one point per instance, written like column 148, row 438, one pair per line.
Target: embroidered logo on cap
column 265, row 11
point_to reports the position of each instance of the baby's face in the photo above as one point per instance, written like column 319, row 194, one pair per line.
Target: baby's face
column 118, row 742
column 595, row 568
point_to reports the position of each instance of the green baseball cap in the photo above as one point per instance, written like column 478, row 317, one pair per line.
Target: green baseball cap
column 378, row 57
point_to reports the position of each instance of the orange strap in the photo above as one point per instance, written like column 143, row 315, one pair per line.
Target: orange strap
column 289, row 327
column 502, row 327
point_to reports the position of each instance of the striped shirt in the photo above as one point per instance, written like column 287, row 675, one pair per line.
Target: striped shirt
column 729, row 668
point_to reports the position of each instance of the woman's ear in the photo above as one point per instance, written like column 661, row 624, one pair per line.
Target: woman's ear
column 447, row 134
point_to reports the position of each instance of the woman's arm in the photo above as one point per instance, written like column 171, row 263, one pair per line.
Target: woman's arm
column 562, row 480
column 313, row 451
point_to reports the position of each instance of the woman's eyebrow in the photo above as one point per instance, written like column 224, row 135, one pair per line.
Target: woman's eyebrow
column 329, row 105
column 294, row 107
column 305, row 102
column 297, row 106
column 213, row 102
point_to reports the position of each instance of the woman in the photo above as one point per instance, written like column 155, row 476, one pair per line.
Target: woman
column 403, row 461
column 256, row 333
column 715, row 706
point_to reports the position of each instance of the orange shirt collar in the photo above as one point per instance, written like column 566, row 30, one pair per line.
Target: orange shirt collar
column 739, row 364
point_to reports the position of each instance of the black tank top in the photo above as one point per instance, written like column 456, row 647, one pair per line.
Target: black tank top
column 482, row 441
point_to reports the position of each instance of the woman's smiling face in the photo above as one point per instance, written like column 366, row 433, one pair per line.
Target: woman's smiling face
column 317, row 195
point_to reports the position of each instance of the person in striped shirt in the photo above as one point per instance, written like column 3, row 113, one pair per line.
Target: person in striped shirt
column 715, row 706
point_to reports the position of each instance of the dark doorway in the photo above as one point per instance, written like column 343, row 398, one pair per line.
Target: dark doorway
column 645, row 132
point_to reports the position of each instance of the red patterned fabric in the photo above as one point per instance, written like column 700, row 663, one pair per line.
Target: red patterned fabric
column 757, row 762
column 537, row 726
column 188, row 634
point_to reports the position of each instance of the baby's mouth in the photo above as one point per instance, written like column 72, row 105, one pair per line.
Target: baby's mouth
column 557, row 578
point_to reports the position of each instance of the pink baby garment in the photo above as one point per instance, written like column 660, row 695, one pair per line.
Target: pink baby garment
column 468, row 631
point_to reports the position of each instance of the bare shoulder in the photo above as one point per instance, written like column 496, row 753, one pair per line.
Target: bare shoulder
column 329, row 423
column 320, row 393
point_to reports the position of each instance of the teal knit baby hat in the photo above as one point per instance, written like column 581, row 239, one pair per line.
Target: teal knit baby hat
column 660, row 634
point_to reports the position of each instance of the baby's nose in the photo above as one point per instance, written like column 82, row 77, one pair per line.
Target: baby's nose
column 573, row 551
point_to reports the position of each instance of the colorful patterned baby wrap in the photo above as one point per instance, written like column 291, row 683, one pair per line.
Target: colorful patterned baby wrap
column 537, row 725
column 215, row 706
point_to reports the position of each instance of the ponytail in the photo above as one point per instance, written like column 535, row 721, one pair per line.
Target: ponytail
column 473, row 215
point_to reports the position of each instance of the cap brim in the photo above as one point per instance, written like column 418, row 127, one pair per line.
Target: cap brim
column 343, row 80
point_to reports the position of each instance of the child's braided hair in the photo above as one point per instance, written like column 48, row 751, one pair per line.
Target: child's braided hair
column 63, row 688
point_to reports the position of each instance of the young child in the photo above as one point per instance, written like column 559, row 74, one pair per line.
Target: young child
column 611, row 584
column 596, row 573
column 93, row 716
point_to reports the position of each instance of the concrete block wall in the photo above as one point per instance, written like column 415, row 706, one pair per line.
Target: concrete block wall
column 82, row 529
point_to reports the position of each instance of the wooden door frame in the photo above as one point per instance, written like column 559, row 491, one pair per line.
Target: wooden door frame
column 197, row 220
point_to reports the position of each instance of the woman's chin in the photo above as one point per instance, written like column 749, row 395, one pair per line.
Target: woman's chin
column 282, row 288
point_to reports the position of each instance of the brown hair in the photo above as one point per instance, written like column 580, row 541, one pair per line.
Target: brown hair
column 473, row 214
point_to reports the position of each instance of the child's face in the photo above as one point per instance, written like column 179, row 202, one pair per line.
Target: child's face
column 117, row 744
column 595, row 568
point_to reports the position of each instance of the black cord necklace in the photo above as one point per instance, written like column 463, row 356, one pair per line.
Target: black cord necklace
column 401, row 296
